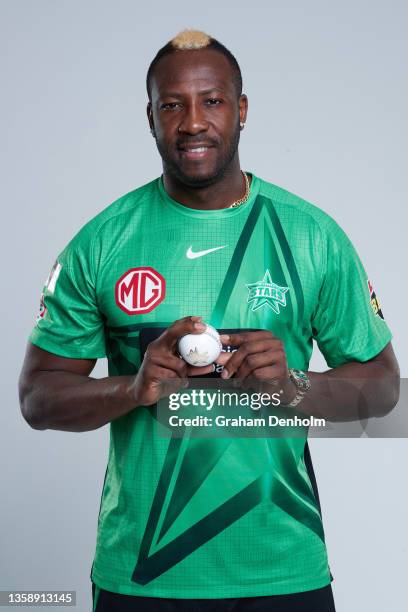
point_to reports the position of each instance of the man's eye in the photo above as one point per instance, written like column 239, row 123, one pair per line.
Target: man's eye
column 213, row 101
column 169, row 105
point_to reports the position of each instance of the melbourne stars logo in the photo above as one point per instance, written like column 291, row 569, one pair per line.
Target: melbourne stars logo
column 265, row 292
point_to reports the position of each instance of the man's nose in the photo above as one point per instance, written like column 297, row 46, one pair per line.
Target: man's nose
column 193, row 121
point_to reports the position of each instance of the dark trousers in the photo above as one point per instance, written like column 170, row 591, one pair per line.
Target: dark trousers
column 319, row 600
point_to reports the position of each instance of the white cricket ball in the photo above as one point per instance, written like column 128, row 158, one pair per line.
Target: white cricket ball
column 200, row 349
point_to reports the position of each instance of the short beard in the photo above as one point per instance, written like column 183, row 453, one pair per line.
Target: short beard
column 199, row 182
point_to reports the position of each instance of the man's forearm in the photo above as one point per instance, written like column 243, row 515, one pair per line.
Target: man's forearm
column 351, row 392
column 71, row 402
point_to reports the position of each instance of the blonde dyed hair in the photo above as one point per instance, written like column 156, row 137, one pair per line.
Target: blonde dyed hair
column 190, row 39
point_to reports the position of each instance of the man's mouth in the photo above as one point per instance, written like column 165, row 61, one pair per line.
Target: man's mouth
column 195, row 151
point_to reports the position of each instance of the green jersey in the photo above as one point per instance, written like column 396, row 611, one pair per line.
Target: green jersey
column 208, row 518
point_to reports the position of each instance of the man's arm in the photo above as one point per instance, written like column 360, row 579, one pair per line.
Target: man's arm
column 58, row 393
column 355, row 390
column 348, row 392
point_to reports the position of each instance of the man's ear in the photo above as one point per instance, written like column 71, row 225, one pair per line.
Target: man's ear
column 150, row 118
column 243, row 109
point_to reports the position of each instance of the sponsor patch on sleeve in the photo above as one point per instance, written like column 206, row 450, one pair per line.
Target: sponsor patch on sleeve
column 49, row 287
column 375, row 304
column 42, row 310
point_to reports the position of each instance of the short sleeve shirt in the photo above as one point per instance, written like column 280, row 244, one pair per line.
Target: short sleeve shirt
column 194, row 518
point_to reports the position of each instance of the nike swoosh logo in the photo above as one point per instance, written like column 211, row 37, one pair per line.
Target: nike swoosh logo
column 193, row 255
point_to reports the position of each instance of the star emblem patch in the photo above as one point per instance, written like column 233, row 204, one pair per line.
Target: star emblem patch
column 266, row 292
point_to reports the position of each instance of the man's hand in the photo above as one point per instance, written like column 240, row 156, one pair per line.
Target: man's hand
column 259, row 363
column 58, row 393
column 162, row 371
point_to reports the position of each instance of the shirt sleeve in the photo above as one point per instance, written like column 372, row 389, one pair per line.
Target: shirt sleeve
column 348, row 324
column 69, row 322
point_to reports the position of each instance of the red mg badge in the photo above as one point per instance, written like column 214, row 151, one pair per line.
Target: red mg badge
column 140, row 290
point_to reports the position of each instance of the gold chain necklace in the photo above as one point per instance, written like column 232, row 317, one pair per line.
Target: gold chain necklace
column 246, row 194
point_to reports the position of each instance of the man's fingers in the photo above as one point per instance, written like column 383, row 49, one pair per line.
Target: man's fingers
column 223, row 358
column 172, row 363
column 270, row 348
column 239, row 338
column 187, row 325
column 253, row 363
column 200, row 371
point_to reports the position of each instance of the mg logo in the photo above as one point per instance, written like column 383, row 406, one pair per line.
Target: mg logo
column 140, row 290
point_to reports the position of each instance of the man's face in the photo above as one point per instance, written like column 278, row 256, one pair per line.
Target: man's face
column 195, row 112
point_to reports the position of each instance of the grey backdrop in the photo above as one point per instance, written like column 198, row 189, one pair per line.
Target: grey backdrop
column 327, row 86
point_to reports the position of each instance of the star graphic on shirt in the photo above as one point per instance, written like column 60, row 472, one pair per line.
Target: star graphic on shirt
column 266, row 292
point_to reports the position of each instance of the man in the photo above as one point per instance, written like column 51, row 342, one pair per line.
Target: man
column 205, row 524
